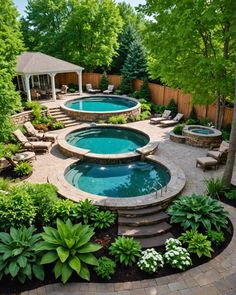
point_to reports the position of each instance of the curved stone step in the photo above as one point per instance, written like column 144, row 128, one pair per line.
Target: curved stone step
column 139, row 211
column 145, row 230
column 143, row 220
column 154, row 242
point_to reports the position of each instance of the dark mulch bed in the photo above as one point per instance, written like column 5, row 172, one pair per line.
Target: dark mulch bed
column 10, row 174
column 123, row 274
column 227, row 201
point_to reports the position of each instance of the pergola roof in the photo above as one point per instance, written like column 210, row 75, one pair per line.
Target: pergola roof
column 39, row 63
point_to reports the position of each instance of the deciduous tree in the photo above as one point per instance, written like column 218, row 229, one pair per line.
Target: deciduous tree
column 10, row 46
column 191, row 45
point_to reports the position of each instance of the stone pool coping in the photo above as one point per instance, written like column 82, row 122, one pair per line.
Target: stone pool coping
column 187, row 129
column 91, row 116
column 173, row 188
column 73, row 151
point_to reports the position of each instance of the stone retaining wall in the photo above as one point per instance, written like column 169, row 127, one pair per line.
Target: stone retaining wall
column 177, row 138
column 21, row 118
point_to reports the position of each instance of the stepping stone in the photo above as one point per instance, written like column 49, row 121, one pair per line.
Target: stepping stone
column 145, row 230
column 143, row 220
column 140, row 211
column 153, row 242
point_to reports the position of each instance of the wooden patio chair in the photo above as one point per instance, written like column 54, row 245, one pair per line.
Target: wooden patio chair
column 45, row 136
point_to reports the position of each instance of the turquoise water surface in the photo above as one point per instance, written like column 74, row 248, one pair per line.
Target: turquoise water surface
column 202, row 131
column 118, row 180
column 107, row 140
column 101, row 104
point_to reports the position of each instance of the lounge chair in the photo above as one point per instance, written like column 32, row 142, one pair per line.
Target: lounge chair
column 40, row 135
column 172, row 122
column 207, row 162
column 64, row 89
column 157, row 120
column 90, row 89
column 34, row 94
column 37, row 146
column 109, row 90
column 219, row 154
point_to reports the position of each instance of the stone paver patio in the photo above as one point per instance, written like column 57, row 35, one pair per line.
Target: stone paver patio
column 217, row 277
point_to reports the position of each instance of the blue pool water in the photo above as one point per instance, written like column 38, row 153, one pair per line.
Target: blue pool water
column 202, row 131
column 118, row 180
column 101, row 104
column 104, row 140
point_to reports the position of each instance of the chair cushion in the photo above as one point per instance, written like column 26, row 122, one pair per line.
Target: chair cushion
column 214, row 154
column 207, row 161
column 224, row 146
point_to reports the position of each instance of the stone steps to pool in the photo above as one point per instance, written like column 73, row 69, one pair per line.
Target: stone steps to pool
column 149, row 225
column 143, row 220
column 58, row 114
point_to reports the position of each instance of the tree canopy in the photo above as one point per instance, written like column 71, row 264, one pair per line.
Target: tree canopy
column 10, row 46
column 191, row 45
column 84, row 32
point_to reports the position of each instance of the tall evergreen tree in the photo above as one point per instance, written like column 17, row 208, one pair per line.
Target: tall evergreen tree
column 135, row 63
column 10, row 46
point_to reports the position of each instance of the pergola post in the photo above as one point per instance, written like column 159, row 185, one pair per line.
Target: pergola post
column 27, row 86
column 52, row 75
column 80, row 82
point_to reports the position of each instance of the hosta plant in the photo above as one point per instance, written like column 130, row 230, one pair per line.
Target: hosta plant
column 69, row 248
column 176, row 256
column 195, row 211
column 106, row 268
column 150, row 261
column 18, row 257
column 197, row 243
column 103, row 219
column 87, row 211
column 126, row 250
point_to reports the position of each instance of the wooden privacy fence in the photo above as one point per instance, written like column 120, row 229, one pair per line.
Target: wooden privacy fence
column 159, row 94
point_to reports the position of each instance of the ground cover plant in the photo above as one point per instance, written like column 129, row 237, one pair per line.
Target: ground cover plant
column 87, row 247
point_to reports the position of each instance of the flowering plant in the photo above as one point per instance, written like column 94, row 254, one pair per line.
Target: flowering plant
column 150, row 261
column 177, row 256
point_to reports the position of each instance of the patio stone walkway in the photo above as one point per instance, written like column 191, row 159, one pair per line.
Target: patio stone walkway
column 217, row 277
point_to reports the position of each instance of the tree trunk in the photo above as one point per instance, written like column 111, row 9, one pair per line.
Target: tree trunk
column 228, row 173
column 217, row 112
column 221, row 115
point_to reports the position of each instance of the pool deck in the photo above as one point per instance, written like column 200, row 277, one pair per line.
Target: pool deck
column 217, row 277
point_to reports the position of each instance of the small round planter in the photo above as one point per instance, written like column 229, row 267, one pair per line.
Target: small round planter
column 177, row 138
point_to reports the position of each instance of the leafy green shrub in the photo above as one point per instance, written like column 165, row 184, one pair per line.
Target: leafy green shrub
column 172, row 106
column 126, row 250
column 196, row 243
column 103, row 84
column 105, row 268
column 136, row 94
column 231, row 195
column 5, row 184
column 217, row 238
column 101, row 121
column 205, row 122
column 71, row 90
column 176, row 256
column 42, row 120
column 126, row 85
column 191, row 122
column 112, row 120
column 57, row 125
column 103, row 219
column 18, row 257
column 178, row 129
column 16, row 209
column 9, row 150
column 23, row 169
column 44, row 197
column 144, row 90
column 87, row 211
column 215, row 187
column 195, row 211
column 145, row 106
column 69, row 248
column 121, row 119
column 150, row 261
column 65, row 209
column 157, row 108
column 225, row 134
column 145, row 115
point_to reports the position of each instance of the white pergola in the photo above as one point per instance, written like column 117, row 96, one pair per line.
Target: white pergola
column 31, row 64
